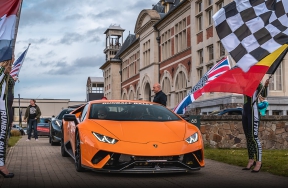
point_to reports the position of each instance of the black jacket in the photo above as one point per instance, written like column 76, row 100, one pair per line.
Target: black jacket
column 160, row 98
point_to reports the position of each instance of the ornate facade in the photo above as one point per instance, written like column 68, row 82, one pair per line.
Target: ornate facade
column 175, row 43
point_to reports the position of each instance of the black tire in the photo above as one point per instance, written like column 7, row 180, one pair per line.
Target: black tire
column 63, row 151
column 51, row 141
column 78, row 166
column 50, row 138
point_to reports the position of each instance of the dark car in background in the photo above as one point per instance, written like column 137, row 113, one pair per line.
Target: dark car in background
column 56, row 126
column 228, row 111
column 43, row 127
column 17, row 127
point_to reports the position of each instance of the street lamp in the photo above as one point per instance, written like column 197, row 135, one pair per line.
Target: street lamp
column 20, row 119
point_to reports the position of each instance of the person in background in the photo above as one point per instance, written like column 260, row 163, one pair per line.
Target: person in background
column 104, row 98
column 102, row 113
column 160, row 96
column 32, row 116
column 263, row 105
column 250, row 123
column 5, row 69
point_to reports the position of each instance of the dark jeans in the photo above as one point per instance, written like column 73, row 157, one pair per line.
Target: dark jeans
column 32, row 122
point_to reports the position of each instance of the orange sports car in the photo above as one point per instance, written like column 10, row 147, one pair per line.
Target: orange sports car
column 130, row 137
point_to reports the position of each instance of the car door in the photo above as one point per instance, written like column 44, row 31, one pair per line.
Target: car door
column 72, row 126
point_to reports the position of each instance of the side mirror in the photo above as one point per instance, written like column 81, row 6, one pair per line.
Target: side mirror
column 69, row 117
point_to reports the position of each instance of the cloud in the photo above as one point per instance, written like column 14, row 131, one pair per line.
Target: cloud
column 33, row 17
column 80, row 65
column 110, row 13
column 70, row 38
column 73, row 17
column 34, row 41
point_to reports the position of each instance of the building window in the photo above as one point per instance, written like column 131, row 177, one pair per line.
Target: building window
column 220, row 4
column 137, row 62
column 166, row 45
column 275, row 83
column 210, row 52
column 276, row 112
column 181, row 84
column 200, row 55
column 146, row 53
column 180, row 36
column 200, row 73
column 199, row 6
column 209, row 16
column 221, row 49
column 210, row 2
column 209, row 67
column 166, row 87
column 199, row 23
column 125, row 69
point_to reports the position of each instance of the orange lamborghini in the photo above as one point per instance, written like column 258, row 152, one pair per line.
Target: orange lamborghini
column 130, row 136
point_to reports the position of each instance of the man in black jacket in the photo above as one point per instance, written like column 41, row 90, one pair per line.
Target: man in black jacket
column 160, row 96
column 32, row 116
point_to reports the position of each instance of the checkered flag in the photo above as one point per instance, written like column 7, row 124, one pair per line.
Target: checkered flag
column 252, row 29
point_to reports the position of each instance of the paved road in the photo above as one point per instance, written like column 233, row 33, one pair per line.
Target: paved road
column 37, row 164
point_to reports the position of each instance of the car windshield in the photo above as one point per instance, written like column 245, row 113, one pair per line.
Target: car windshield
column 131, row 111
column 44, row 120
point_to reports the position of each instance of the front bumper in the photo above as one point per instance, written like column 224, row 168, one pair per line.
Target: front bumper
column 120, row 163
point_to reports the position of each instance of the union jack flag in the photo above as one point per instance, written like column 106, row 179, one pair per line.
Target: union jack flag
column 218, row 69
column 18, row 64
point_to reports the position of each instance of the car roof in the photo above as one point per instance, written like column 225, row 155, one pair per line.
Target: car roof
column 122, row 101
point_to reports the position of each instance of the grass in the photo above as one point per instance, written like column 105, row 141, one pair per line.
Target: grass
column 13, row 140
column 274, row 161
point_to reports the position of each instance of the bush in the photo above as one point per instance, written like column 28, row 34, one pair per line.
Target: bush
column 15, row 133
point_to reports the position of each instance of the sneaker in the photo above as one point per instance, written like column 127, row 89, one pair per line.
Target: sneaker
column 36, row 139
column 28, row 140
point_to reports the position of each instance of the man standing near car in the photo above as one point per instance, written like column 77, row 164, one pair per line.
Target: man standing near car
column 160, row 96
column 32, row 116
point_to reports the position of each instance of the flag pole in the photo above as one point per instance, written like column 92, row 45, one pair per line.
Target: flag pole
column 23, row 60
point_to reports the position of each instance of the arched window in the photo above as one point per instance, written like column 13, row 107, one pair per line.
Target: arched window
column 180, row 86
column 166, row 88
column 131, row 95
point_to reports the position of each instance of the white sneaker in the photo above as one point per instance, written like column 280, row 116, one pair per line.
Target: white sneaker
column 36, row 139
column 28, row 140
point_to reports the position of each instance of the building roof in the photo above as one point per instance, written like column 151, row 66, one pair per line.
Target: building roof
column 159, row 7
column 173, row 5
column 96, row 79
column 114, row 27
column 131, row 38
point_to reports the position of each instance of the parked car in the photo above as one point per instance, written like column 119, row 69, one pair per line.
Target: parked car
column 17, row 127
column 56, row 125
column 131, row 137
column 43, row 127
column 25, row 130
column 228, row 111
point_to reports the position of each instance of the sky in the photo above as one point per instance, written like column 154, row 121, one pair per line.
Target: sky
column 67, row 42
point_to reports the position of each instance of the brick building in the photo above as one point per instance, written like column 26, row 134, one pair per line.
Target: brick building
column 175, row 43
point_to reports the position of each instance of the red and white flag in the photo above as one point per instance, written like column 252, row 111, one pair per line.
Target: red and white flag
column 8, row 18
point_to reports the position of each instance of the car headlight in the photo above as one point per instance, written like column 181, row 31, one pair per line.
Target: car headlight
column 57, row 123
column 105, row 139
column 193, row 138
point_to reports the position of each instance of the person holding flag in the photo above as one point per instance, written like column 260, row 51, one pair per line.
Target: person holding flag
column 5, row 68
column 250, row 123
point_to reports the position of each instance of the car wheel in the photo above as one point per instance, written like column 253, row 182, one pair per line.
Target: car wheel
column 63, row 151
column 51, row 141
column 78, row 166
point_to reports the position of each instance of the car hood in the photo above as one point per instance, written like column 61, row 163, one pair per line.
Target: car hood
column 144, row 132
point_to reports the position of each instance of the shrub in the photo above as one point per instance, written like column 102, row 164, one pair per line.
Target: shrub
column 15, row 133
